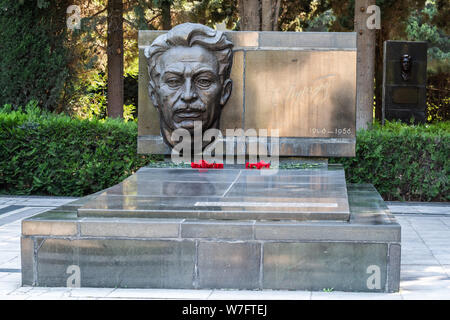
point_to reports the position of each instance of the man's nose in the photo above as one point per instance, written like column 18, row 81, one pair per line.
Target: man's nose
column 189, row 94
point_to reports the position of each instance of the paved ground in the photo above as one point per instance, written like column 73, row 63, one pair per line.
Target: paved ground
column 425, row 271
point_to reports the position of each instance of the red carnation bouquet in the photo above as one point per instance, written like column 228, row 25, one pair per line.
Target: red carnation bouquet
column 202, row 164
column 258, row 165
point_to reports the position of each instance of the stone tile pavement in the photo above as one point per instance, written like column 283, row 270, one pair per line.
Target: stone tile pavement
column 425, row 265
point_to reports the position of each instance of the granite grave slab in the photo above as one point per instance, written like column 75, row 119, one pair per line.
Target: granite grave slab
column 316, row 194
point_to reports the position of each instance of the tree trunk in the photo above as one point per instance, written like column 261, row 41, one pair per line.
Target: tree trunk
column 365, row 65
column 270, row 10
column 249, row 10
column 115, row 59
column 166, row 17
column 267, row 9
column 276, row 15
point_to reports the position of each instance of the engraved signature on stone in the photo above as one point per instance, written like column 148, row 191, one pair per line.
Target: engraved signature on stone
column 314, row 94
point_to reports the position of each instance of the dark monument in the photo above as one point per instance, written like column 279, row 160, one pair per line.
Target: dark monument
column 404, row 82
column 406, row 67
column 297, row 229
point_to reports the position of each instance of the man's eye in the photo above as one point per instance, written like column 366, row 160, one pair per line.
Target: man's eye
column 173, row 82
column 202, row 82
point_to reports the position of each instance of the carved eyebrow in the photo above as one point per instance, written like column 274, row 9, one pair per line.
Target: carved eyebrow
column 197, row 73
column 204, row 71
column 175, row 72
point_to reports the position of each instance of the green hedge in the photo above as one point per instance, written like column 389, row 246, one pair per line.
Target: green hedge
column 403, row 162
column 47, row 154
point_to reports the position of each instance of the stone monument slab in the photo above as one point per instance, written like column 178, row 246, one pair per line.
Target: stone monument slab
column 231, row 228
column 405, row 80
column 311, row 81
column 316, row 194
column 360, row 254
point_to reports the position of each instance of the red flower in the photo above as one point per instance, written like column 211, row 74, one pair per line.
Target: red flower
column 202, row 164
column 258, row 165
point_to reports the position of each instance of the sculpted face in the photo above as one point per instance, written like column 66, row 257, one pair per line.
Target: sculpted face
column 406, row 64
column 190, row 89
column 189, row 80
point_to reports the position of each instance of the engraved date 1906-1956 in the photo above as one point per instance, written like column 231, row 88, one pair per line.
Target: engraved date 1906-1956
column 335, row 131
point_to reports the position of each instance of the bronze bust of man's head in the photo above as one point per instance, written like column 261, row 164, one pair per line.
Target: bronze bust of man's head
column 189, row 69
column 406, row 66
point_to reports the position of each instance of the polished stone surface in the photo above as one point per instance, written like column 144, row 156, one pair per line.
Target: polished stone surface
column 269, row 39
column 200, row 253
column 294, row 265
column 309, row 40
column 301, row 93
column 131, row 228
column 229, row 265
column 287, row 146
column 217, row 229
column 305, row 194
column 27, row 260
column 117, row 263
column 425, row 234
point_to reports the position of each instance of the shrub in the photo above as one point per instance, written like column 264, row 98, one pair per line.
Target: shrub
column 46, row 154
column 438, row 97
column 403, row 162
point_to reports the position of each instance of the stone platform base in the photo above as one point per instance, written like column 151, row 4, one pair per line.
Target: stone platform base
column 61, row 248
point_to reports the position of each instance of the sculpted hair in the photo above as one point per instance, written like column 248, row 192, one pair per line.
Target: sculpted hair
column 187, row 35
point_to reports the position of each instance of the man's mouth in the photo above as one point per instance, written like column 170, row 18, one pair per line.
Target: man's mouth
column 189, row 115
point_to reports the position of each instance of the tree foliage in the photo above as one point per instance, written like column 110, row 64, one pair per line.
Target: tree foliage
column 430, row 25
column 40, row 55
column 421, row 27
column 304, row 15
column 415, row 20
column 36, row 61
